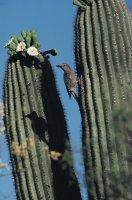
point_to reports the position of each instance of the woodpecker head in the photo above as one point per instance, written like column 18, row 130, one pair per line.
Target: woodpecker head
column 64, row 67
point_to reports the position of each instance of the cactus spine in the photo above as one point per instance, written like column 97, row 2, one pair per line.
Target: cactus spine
column 103, row 53
column 33, row 131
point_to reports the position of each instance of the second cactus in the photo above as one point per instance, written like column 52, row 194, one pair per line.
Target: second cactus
column 103, row 53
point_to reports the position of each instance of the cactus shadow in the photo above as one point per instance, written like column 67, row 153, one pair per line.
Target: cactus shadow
column 57, row 130
column 58, row 136
column 39, row 125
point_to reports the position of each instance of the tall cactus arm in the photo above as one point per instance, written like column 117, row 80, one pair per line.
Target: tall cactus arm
column 33, row 175
column 103, row 52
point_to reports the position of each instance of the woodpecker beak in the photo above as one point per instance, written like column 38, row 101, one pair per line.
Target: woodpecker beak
column 60, row 66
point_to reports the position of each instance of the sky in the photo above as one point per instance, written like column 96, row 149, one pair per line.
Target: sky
column 54, row 23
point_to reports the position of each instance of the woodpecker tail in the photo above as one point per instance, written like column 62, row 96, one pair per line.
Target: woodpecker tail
column 75, row 97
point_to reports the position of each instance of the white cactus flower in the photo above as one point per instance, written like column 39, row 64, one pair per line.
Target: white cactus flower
column 32, row 51
column 21, row 46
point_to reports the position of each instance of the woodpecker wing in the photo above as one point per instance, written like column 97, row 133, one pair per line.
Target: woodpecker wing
column 70, row 82
column 67, row 84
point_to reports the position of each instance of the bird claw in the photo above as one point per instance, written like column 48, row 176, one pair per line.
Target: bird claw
column 80, row 81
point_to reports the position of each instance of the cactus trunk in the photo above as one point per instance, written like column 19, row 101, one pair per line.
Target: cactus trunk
column 103, row 53
column 36, row 126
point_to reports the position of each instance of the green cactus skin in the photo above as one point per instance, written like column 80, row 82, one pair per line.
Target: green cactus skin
column 27, row 88
column 103, row 54
column 15, row 161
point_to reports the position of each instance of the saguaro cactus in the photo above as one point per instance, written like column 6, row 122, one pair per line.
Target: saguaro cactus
column 35, row 124
column 103, row 53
